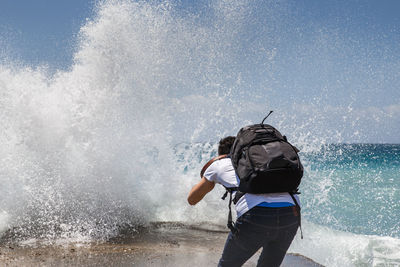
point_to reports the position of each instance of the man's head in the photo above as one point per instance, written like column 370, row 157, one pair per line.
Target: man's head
column 225, row 145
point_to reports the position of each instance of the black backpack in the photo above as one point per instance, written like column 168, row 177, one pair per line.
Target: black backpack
column 265, row 161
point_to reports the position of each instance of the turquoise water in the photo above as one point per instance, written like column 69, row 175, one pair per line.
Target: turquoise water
column 354, row 188
column 347, row 187
column 350, row 196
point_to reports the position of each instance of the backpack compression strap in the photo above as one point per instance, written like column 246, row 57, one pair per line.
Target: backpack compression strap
column 203, row 170
column 297, row 210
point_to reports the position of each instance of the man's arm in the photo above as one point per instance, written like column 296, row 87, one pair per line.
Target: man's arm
column 200, row 190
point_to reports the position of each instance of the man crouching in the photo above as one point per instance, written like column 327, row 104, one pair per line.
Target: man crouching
column 263, row 220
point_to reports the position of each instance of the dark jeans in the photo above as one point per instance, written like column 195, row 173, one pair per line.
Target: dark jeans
column 273, row 229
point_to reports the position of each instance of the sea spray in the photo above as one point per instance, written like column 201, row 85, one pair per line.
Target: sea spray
column 89, row 150
column 3, row 221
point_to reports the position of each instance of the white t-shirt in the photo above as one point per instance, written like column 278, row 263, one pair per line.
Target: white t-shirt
column 222, row 172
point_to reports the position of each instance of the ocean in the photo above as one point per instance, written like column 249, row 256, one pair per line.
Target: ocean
column 117, row 140
column 350, row 203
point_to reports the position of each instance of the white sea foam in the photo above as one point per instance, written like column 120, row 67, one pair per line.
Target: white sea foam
column 4, row 218
column 337, row 248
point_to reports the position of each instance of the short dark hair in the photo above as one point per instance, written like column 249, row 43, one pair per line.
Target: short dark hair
column 225, row 145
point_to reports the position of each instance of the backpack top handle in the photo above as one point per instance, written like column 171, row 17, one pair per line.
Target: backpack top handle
column 266, row 116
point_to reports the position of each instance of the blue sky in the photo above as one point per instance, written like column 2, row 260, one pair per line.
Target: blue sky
column 337, row 55
column 44, row 31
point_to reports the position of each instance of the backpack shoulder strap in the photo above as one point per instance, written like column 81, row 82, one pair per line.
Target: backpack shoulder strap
column 238, row 195
column 203, row 170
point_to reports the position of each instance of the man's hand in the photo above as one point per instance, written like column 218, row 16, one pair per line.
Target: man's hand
column 200, row 190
